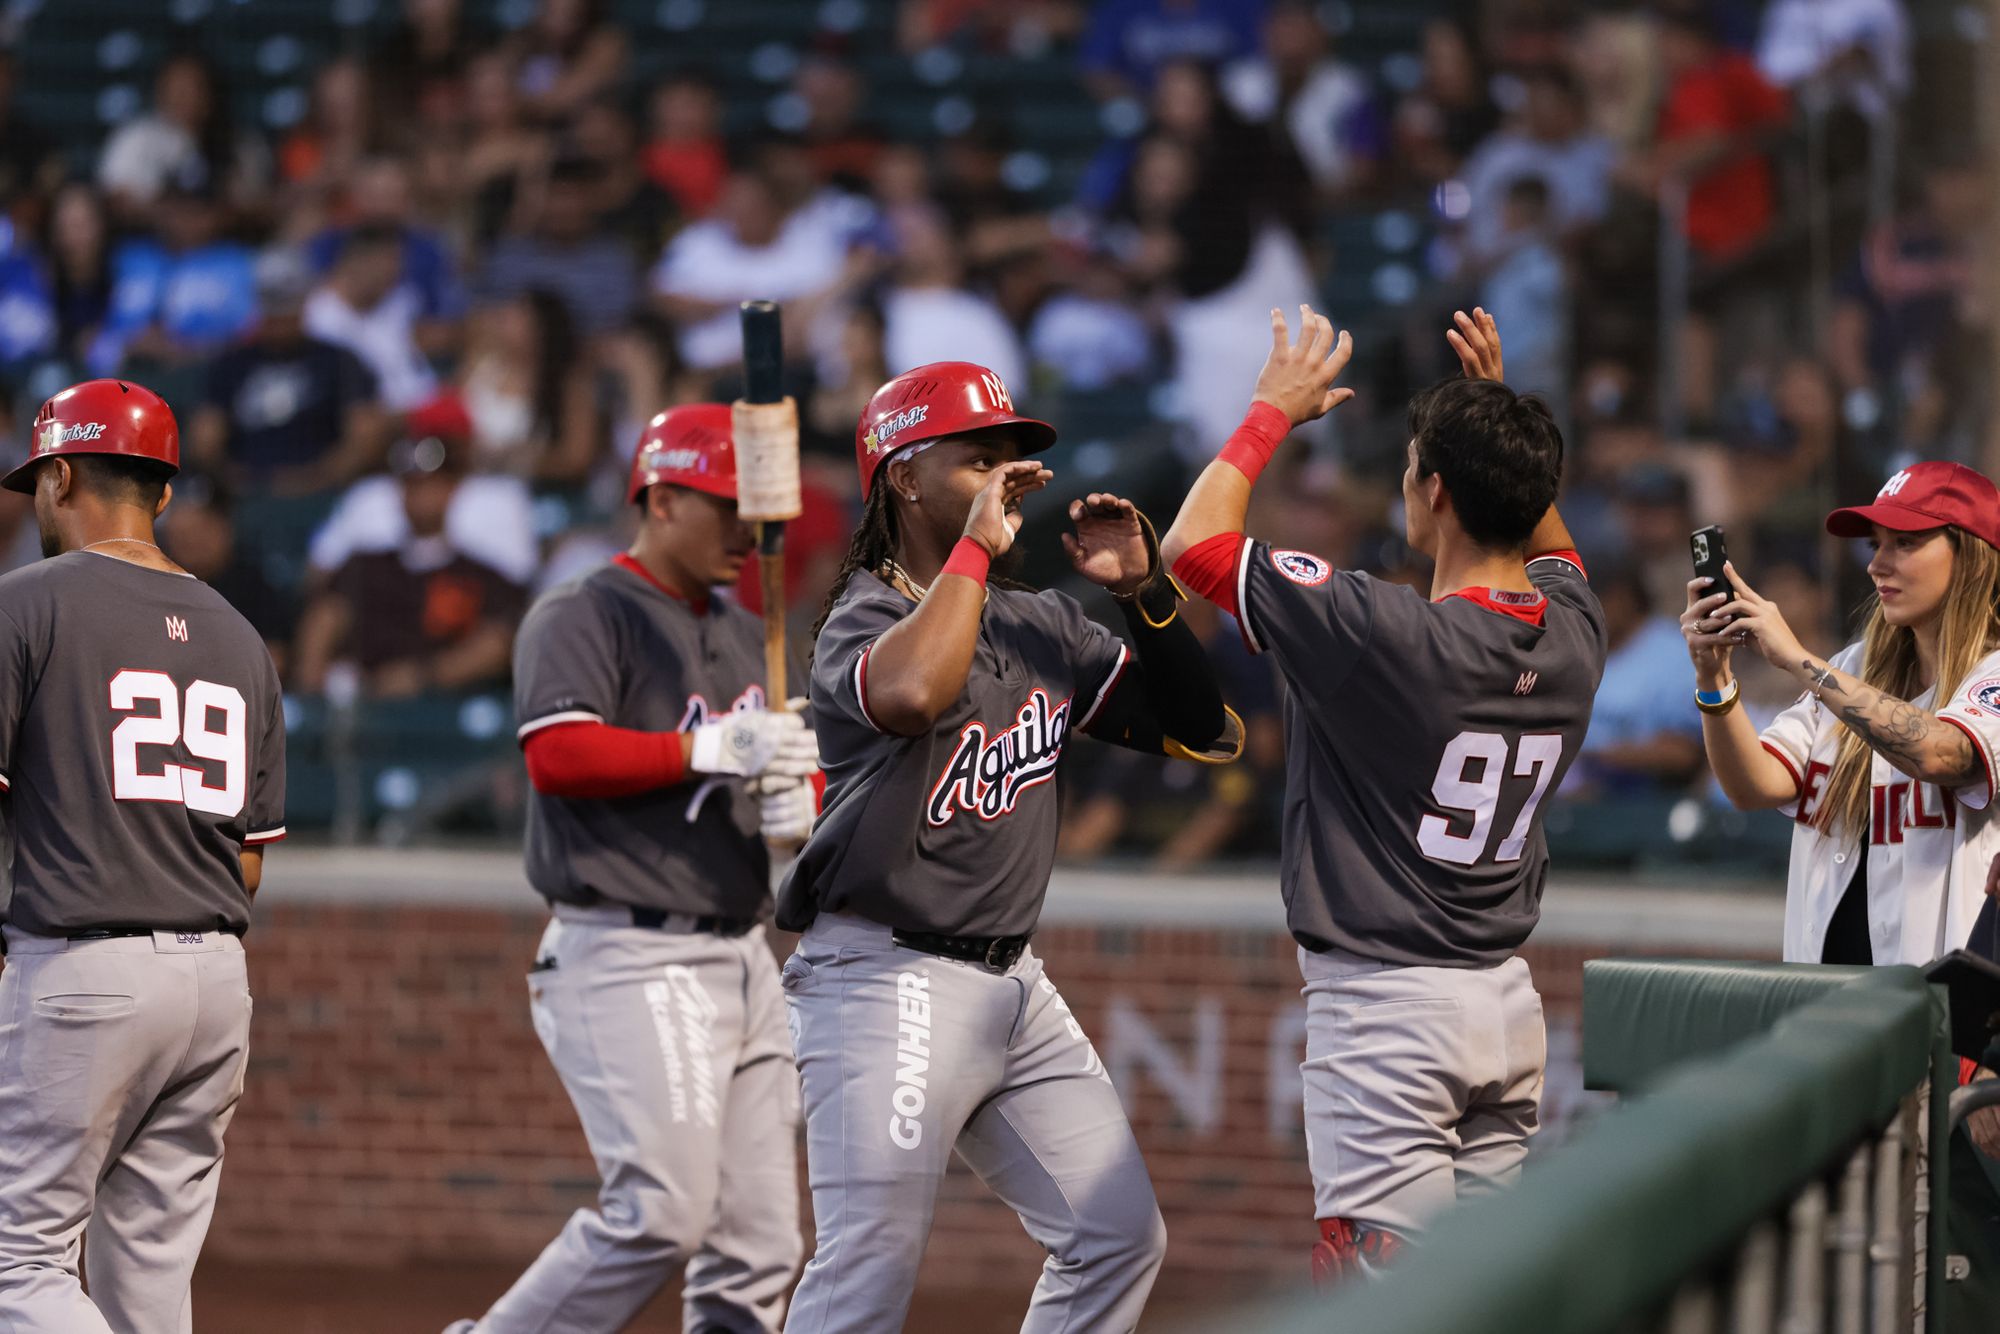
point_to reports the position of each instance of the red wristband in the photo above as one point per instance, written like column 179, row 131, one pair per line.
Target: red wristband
column 1264, row 428
column 969, row 559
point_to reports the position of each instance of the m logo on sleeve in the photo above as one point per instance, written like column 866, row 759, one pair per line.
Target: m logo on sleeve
column 177, row 629
column 1302, row 567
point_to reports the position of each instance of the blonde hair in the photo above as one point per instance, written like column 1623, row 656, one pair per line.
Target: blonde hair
column 1968, row 629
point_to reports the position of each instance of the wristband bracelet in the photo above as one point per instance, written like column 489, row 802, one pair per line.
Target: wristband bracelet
column 1264, row 428
column 1718, row 702
column 969, row 559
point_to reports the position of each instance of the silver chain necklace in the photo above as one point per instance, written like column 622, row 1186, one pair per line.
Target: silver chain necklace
column 915, row 589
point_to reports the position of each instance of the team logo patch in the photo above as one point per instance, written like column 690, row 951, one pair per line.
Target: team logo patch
column 1985, row 696
column 878, row 439
column 55, row 433
column 1302, row 567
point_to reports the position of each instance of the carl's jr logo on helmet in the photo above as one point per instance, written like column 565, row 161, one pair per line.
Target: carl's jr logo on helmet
column 879, row 438
column 1894, row 484
column 55, row 433
column 677, row 460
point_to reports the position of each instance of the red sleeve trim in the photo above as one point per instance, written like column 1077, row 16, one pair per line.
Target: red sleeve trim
column 1967, row 1068
column 1209, row 568
column 1798, row 784
column 1564, row 555
column 818, row 781
column 1980, row 747
column 1104, row 691
column 264, row 836
column 594, row 760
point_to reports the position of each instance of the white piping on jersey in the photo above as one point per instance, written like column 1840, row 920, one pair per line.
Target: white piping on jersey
column 1551, row 555
column 551, row 719
column 6, row 783
column 1243, row 597
column 1104, row 691
column 265, row 835
column 861, row 684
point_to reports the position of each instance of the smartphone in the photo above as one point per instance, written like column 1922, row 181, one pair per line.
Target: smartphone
column 1710, row 554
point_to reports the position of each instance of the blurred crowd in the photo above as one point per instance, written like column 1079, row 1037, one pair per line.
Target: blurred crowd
column 413, row 332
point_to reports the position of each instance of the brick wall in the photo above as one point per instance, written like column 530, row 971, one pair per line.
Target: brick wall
column 400, row 1108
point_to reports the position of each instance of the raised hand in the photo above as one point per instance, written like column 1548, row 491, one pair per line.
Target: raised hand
column 1699, row 625
column 1108, row 547
column 996, row 510
column 1297, row 378
column 1753, row 620
column 1477, row 342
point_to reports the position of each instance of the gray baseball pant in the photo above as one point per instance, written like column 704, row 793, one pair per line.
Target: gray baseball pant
column 906, row 1056
column 673, row 1047
column 121, row 1062
column 1422, row 1085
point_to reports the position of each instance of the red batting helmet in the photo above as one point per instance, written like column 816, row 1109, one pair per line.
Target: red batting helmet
column 943, row 398
column 102, row 417
column 693, row 446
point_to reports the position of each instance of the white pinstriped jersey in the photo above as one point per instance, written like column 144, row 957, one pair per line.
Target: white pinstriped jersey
column 1928, row 849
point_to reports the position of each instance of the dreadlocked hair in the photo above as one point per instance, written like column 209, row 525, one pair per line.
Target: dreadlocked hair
column 873, row 544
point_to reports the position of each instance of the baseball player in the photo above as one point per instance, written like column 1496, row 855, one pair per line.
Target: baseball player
column 922, row 1019
column 1422, row 736
column 653, row 990
column 142, row 773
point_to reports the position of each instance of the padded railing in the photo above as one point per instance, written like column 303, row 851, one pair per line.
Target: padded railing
column 1762, row 1176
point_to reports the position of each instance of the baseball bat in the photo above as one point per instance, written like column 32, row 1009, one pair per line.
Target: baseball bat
column 763, row 382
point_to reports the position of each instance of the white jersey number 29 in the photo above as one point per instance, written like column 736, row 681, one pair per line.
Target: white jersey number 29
column 1478, row 797
column 188, row 724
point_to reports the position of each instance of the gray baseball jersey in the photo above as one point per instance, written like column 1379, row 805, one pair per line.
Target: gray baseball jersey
column 616, row 647
column 142, row 747
column 955, row 831
column 1421, row 741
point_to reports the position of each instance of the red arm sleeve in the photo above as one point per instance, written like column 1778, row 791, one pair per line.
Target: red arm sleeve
column 1209, row 568
column 596, row 760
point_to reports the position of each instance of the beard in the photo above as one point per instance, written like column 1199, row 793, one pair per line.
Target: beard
column 51, row 540
column 1009, row 564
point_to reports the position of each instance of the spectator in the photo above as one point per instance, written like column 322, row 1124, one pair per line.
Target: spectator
column 1853, row 51
column 527, row 390
column 188, row 132
column 1552, row 143
column 1716, row 109
column 684, row 154
column 929, row 315
column 490, row 517
column 647, row 376
column 1128, row 42
column 1911, row 318
column 323, row 151
column 1526, row 288
column 1655, row 514
column 287, row 413
column 1451, row 112
column 31, row 167
column 827, row 423
column 1643, row 737
column 843, row 147
column 420, row 64
column 752, row 247
column 435, row 617
column 382, row 196
column 569, row 252
column 199, row 532
column 179, row 299
column 1022, row 27
column 500, row 147
column 1090, row 335
column 364, row 307
column 628, row 204
column 54, row 297
column 1324, row 105
column 568, row 54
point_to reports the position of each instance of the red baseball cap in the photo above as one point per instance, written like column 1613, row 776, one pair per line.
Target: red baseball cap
column 692, row 446
column 1927, row 495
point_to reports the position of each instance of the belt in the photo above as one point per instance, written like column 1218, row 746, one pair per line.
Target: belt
column 653, row 919
column 996, row 952
column 126, row 932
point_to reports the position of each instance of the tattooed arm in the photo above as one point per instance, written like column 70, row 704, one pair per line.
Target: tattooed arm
column 1914, row 740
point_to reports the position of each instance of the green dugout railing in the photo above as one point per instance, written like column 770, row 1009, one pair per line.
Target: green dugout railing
column 1767, row 1170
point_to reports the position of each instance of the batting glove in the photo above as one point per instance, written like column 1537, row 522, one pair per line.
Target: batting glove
column 750, row 742
column 786, row 808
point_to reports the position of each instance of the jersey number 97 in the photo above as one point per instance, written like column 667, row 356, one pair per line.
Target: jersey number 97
column 189, row 721
column 1536, row 756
